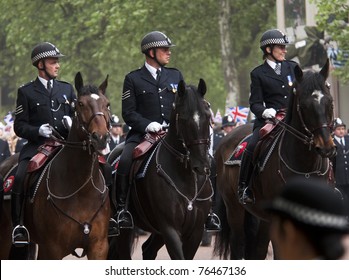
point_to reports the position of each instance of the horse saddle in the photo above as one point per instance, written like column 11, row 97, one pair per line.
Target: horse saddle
column 144, row 152
column 268, row 135
column 149, row 140
column 45, row 152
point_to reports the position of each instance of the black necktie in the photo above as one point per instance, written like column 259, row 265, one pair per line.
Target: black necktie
column 342, row 143
column 158, row 75
column 49, row 88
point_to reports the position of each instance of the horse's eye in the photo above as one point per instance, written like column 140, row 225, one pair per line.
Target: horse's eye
column 81, row 104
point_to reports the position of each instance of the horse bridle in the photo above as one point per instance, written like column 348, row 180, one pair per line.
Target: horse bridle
column 308, row 136
column 84, row 127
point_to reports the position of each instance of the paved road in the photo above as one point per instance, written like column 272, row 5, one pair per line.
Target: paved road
column 203, row 253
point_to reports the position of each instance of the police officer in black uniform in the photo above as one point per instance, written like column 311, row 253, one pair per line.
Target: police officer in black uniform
column 147, row 98
column 341, row 160
column 41, row 105
column 148, row 95
column 271, row 84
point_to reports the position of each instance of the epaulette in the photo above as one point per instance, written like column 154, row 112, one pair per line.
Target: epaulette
column 136, row 70
column 27, row 84
column 64, row 82
column 172, row 68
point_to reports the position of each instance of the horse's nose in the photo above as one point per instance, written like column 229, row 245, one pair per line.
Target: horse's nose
column 326, row 152
column 202, row 170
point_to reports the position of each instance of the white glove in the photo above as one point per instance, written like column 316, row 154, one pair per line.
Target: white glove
column 269, row 113
column 67, row 122
column 153, row 127
column 45, row 130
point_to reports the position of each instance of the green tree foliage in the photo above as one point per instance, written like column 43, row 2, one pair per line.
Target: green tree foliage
column 332, row 17
column 103, row 37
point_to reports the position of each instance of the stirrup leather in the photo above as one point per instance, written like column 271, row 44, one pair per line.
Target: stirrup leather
column 21, row 229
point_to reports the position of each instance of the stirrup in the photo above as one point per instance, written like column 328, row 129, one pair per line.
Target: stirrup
column 25, row 237
column 114, row 229
column 213, row 223
column 244, row 198
column 124, row 221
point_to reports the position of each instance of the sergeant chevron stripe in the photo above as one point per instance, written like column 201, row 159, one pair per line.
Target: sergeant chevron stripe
column 126, row 95
column 19, row 110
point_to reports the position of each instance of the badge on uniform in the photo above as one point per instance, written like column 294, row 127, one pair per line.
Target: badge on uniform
column 174, row 87
column 66, row 99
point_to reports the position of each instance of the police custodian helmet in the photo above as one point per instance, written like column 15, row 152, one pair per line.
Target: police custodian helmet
column 155, row 39
column 44, row 50
column 273, row 37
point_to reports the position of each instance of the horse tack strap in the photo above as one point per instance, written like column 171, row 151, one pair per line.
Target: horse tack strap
column 45, row 152
column 150, row 139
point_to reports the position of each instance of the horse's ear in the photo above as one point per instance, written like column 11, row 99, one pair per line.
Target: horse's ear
column 104, row 85
column 298, row 72
column 79, row 83
column 325, row 70
column 202, row 87
column 181, row 88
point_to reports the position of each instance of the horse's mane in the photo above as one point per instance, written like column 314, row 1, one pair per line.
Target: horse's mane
column 191, row 102
column 88, row 89
column 311, row 81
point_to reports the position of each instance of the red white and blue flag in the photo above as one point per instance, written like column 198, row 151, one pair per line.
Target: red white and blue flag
column 239, row 113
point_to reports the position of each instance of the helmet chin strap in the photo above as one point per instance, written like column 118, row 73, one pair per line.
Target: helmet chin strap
column 276, row 60
column 44, row 69
column 155, row 58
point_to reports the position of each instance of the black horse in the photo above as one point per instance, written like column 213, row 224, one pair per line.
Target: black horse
column 302, row 148
column 171, row 196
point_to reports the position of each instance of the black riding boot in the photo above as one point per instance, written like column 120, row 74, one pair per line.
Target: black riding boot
column 20, row 234
column 123, row 217
column 213, row 223
column 244, row 192
column 107, row 174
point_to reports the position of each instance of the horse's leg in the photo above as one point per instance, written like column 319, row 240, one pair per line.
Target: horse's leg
column 120, row 247
column 191, row 244
column 151, row 246
column 263, row 240
column 173, row 243
column 51, row 251
column 98, row 249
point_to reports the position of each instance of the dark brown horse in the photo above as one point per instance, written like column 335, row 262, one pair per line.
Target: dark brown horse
column 171, row 196
column 69, row 207
column 302, row 148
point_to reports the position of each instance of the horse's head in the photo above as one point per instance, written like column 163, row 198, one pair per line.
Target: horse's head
column 314, row 106
column 192, row 117
column 92, row 119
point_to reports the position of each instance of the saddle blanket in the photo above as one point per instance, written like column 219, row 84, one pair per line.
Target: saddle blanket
column 236, row 155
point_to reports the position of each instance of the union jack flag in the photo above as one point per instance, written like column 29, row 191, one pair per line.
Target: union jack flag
column 239, row 113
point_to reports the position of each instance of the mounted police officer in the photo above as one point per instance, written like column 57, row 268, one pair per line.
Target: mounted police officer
column 42, row 104
column 271, row 84
column 147, row 98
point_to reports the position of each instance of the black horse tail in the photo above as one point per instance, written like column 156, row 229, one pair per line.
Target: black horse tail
column 222, row 238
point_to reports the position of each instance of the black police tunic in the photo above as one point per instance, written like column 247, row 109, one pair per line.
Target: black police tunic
column 36, row 106
column 144, row 100
column 269, row 90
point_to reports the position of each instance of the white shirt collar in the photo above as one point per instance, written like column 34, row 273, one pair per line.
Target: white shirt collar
column 271, row 63
column 339, row 139
column 151, row 69
column 44, row 82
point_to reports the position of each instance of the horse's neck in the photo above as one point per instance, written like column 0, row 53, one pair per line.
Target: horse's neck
column 295, row 149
